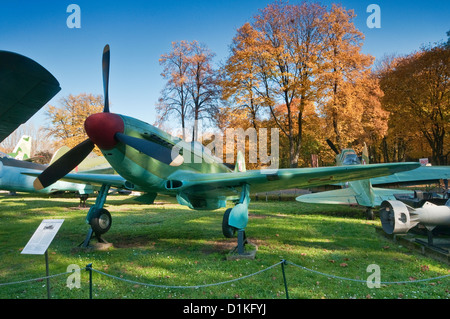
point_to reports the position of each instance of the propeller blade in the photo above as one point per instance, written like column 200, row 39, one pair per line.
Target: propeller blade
column 332, row 146
column 64, row 165
column 152, row 149
column 105, row 67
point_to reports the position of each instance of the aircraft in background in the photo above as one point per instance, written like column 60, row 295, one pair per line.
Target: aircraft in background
column 22, row 151
column 25, row 87
column 14, row 178
column 150, row 160
column 362, row 192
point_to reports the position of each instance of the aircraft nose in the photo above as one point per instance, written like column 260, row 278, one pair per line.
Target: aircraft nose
column 101, row 128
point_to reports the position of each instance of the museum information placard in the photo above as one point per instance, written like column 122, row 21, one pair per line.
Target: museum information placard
column 42, row 237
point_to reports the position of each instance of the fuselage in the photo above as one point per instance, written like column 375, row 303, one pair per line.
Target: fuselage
column 13, row 178
column 150, row 174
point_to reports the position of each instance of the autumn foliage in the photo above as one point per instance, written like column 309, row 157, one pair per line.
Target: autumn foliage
column 300, row 68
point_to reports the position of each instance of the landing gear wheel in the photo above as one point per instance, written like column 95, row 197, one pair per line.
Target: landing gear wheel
column 101, row 222
column 227, row 230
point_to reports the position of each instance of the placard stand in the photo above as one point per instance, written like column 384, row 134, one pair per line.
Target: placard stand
column 41, row 240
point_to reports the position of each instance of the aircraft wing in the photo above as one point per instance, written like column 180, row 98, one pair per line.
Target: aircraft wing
column 114, row 180
column 25, row 87
column 348, row 196
column 216, row 184
column 422, row 174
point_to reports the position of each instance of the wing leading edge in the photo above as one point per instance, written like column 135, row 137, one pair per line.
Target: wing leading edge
column 267, row 180
column 25, row 87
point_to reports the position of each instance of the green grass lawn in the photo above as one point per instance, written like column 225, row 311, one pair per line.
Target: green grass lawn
column 171, row 245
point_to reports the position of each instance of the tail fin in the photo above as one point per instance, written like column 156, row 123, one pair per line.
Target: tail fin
column 60, row 152
column 240, row 162
column 22, row 151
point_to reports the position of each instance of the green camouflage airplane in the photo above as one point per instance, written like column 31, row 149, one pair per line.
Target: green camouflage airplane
column 150, row 160
column 15, row 177
column 362, row 192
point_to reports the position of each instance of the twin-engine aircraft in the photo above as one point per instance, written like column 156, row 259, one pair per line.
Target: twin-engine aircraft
column 145, row 159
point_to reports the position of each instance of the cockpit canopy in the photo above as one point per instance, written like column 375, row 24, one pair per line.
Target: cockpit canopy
column 349, row 157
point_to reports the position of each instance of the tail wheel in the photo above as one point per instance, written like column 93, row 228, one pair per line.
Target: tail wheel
column 227, row 230
column 101, row 222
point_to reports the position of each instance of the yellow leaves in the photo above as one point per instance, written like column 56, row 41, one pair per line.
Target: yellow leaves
column 68, row 120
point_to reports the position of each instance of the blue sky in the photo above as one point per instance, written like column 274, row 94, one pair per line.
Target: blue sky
column 140, row 31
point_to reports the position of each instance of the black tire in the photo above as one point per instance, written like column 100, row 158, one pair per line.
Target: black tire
column 227, row 230
column 101, row 222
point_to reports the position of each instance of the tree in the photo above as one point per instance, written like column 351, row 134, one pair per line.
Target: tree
column 202, row 84
column 290, row 39
column 190, row 89
column 417, row 94
column 239, row 81
column 68, row 120
column 351, row 103
column 175, row 95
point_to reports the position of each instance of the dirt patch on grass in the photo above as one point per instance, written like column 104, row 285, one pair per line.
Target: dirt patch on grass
column 134, row 242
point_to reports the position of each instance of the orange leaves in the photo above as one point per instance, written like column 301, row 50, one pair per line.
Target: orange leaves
column 68, row 120
column 417, row 95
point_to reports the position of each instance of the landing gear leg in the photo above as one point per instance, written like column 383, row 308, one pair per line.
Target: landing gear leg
column 236, row 219
column 370, row 215
column 242, row 240
column 98, row 217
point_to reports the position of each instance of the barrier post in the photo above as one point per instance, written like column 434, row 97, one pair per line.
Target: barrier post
column 47, row 273
column 89, row 268
column 284, row 278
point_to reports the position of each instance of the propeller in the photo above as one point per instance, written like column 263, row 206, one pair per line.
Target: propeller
column 105, row 67
column 332, row 146
column 75, row 156
column 64, row 165
column 104, row 130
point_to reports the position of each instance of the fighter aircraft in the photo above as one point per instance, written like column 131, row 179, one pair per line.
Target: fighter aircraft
column 150, row 160
column 14, row 178
column 362, row 192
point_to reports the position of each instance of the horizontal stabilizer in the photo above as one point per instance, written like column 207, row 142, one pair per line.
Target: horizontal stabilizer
column 348, row 196
column 340, row 196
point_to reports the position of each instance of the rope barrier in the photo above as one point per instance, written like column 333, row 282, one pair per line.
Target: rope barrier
column 37, row 279
column 365, row 281
column 196, row 286
column 283, row 262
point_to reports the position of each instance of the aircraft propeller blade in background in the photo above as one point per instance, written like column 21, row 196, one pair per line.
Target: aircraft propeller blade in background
column 332, row 146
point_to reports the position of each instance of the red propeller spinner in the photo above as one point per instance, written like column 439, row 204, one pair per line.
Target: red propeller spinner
column 101, row 128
